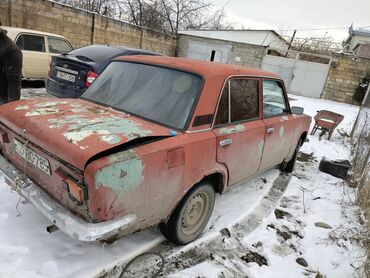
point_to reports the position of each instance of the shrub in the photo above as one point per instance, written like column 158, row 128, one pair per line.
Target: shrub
column 362, row 88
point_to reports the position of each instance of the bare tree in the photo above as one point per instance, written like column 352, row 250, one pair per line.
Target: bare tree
column 103, row 7
column 219, row 20
column 141, row 12
column 191, row 14
column 320, row 45
column 167, row 16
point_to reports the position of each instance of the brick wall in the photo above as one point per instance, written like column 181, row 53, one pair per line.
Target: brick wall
column 82, row 27
column 240, row 53
column 344, row 76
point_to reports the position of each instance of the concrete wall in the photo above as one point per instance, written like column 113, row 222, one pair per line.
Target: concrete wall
column 344, row 77
column 82, row 27
column 240, row 53
column 357, row 39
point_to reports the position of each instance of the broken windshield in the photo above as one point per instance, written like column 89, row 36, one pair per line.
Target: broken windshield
column 156, row 93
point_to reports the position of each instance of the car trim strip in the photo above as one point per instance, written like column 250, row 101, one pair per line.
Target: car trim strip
column 67, row 70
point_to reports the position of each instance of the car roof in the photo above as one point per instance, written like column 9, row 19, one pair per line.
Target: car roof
column 129, row 49
column 99, row 53
column 14, row 31
column 203, row 68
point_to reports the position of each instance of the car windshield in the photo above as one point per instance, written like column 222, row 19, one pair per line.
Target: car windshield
column 156, row 93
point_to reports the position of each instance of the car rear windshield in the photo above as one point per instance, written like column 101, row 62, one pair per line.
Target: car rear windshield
column 97, row 53
column 156, row 93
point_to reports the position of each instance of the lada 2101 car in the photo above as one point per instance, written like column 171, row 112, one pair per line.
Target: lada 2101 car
column 150, row 142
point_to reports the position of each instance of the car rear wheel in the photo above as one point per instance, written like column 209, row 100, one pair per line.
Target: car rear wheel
column 191, row 215
column 288, row 166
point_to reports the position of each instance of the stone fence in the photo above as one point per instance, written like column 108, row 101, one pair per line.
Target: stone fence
column 81, row 27
column 344, row 76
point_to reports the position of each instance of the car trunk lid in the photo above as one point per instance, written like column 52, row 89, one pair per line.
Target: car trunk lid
column 75, row 130
column 71, row 70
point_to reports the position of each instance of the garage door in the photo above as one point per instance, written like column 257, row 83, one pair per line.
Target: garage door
column 208, row 52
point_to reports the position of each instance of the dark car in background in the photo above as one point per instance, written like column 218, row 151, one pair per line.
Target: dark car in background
column 73, row 72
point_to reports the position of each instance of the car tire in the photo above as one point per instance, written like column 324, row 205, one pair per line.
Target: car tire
column 288, row 166
column 336, row 168
column 191, row 215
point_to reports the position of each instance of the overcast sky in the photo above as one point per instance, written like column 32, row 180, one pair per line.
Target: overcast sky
column 299, row 14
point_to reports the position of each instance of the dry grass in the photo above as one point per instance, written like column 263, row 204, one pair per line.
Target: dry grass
column 360, row 178
column 364, row 202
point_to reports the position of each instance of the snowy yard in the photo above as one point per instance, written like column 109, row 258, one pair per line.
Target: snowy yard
column 266, row 227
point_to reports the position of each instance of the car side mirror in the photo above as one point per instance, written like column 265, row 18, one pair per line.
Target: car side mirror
column 297, row 110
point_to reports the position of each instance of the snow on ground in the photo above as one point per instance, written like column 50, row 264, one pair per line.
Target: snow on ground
column 27, row 250
column 290, row 234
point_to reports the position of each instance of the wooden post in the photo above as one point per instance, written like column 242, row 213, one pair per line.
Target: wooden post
column 290, row 44
column 10, row 12
column 365, row 100
column 141, row 38
column 93, row 28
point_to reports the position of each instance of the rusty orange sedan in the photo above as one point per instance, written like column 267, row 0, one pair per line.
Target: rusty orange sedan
column 150, row 142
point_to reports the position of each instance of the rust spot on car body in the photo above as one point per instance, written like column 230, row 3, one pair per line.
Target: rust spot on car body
column 111, row 175
column 95, row 130
column 234, row 129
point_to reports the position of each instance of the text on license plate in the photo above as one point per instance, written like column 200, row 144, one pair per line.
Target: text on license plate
column 32, row 157
column 66, row 76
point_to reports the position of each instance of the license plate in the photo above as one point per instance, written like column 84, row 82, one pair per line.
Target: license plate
column 66, row 76
column 32, row 157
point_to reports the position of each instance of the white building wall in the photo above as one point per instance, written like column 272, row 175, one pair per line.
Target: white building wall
column 256, row 37
column 357, row 39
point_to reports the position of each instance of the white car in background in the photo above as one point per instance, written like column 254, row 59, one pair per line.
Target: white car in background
column 37, row 48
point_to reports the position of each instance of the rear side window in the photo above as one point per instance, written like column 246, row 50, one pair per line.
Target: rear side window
column 239, row 101
column 31, row 43
column 273, row 99
column 58, row 46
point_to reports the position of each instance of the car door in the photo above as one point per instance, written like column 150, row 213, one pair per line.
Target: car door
column 35, row 57
column 276, row 116
column 239, row 130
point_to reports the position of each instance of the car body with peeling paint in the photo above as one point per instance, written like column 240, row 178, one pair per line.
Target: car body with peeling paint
column 150, row 142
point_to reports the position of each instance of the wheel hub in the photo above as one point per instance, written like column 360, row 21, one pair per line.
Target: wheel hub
column 194, row 213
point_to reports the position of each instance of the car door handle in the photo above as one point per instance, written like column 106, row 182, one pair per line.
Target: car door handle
column 226, row 142
column 270, row 130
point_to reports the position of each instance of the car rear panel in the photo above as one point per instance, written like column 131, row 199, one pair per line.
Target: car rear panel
column 49, row 182
column 70, row 66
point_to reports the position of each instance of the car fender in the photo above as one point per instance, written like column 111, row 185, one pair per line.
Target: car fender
column 219, row 169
